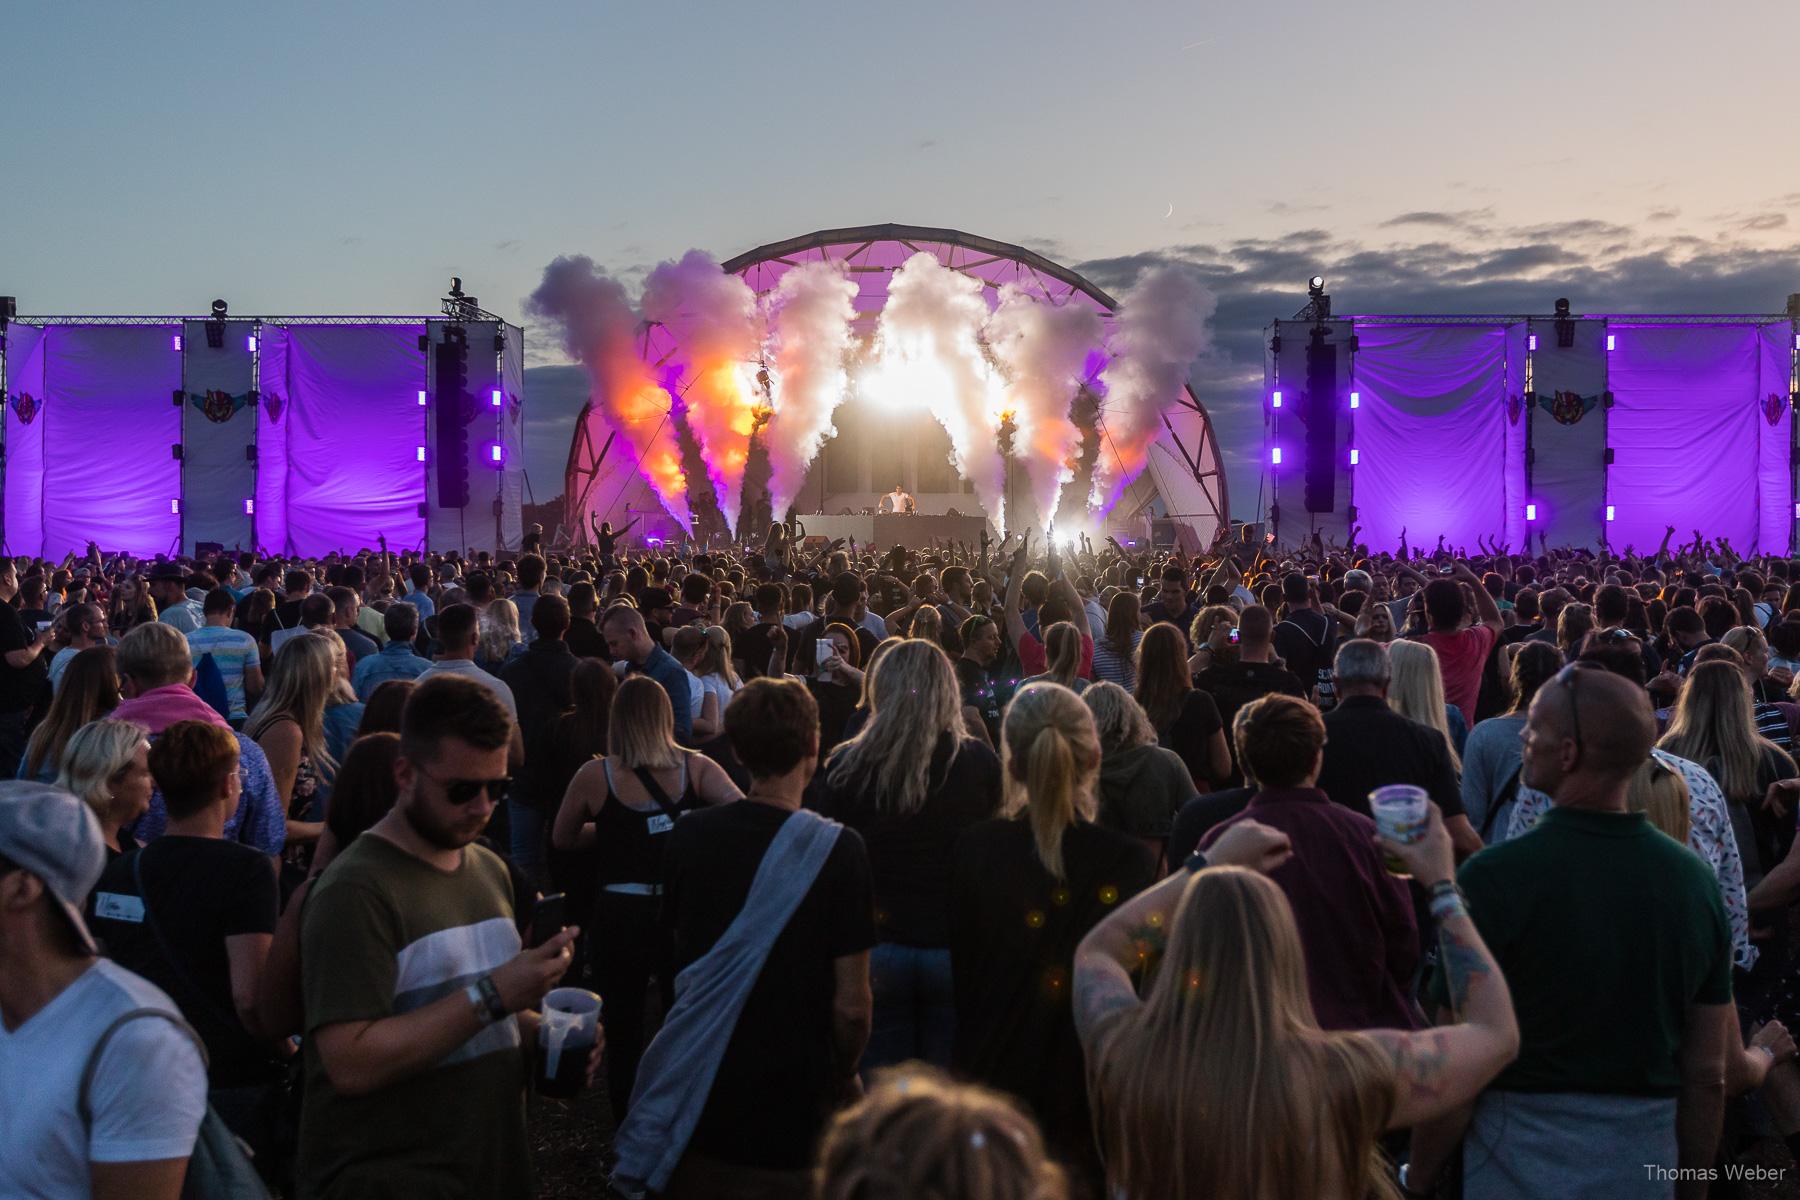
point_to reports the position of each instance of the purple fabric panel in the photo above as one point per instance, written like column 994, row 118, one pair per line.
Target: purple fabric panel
column 216, row 474
column 1568, row 476
column 24, row 533
column 109, row 421
column 1517, row 436
column 1774, row 475
column 1430, row 433
column 272, row 420
column 353, row 468
column 1683, row 432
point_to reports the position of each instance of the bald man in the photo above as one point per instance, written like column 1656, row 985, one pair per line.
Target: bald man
column 629, row 643
column 1614, row 941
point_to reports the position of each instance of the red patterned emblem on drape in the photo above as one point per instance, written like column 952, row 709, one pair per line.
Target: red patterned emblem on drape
column 272, row 405
column 25, row 407
column 1773, row 406
column 1513, row 409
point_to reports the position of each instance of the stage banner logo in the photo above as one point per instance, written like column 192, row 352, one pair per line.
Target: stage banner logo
column 219, row 406
column 25, row 406
column 272, row 405
column 1568, row 407
column 1773, row 406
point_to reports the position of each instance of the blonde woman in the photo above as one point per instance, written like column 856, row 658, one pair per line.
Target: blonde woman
column 1210, row 636
column 107, row 764
column 288, row 723
column 500, row 641
column 619, row 810
column 1217, row 1081
column 1715, row 726
column 909, row 782
column 1375, row 622
column 717, row 674
column 1660, row 793
column 1048, row 868
column 1062, row 662
column 1142, row 785
column 1417, row 691
column 919, row 1133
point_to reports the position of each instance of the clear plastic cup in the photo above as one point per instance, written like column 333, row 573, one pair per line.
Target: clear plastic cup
column 568, row 1028
column 1402, row 813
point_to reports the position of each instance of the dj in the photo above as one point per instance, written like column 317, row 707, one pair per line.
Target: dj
column 896, row 501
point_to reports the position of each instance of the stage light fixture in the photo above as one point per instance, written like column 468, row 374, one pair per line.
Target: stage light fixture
column 1531, row 341
column 1316, row 285
column 1611, row 343
column 1531, row 512
column 496, row 454
column 496, row 397
column 421, row 399
column 1797, row 510
column 1565, row 325
column 1275, row 456
column 219, row 309
column 1275, row 400
column 1353, row 458
column 1355, row 399
column 175, row 343
column 1797, row 341
column 249, row 507
column 1610, row 511
column 421, row 454
column 175, row 506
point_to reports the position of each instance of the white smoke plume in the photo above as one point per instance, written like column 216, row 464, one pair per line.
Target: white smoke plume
column 1162, row 330
column 808, row 315
column 714, row 320
column 1043, row 351
column 599, row 330
column 929, row 352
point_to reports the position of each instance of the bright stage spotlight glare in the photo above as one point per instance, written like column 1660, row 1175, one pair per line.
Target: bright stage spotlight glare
column 1316, row 285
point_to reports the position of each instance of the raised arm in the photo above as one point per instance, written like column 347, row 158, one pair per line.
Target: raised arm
column 1486, row 611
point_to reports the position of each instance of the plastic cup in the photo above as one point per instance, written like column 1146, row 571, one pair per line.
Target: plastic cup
column 1402, row 813
column 567, row 1030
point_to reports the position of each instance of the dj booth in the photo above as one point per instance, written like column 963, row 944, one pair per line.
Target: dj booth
column 915, row 531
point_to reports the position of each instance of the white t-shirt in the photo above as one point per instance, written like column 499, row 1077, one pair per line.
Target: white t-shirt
column 468, row 670
column 696, row 692
column 716, row 685
column 148, row 1094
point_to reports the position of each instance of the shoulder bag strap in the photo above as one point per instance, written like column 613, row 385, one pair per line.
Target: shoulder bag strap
column 657, row 795
column 93, row 1061
column 1509, row 791
column 168, row 951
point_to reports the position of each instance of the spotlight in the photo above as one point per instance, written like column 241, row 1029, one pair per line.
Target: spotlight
column 215, row 328
column 1562, row 307
column 1565, row 324
column 1316, row 285
column 219, row 308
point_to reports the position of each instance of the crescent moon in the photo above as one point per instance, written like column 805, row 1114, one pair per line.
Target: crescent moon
column 1170, row 213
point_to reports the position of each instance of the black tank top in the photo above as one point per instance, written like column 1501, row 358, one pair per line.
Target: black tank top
column 630, row 841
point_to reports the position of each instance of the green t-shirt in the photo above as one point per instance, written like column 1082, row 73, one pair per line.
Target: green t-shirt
column 1607, row 931
column 384, row 934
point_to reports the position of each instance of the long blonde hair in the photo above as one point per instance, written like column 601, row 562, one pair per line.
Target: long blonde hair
column 499, row 630
column 1715, row 726
column 915, row 702
column 1416, row 689
column 301, row 682
column 1119, row 720
column 1659, row 791
column 1050, row 760
column 1222, row 1083
column 640, row 732
column 1062, row 647
column 718, row 657
column 919, row 1133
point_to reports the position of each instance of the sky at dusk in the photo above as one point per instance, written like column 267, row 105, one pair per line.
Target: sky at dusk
column 332, row 157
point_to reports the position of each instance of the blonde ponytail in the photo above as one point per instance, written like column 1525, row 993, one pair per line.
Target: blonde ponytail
column 1051, row 759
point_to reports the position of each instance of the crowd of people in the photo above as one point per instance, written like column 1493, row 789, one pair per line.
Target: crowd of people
column 1018, row 870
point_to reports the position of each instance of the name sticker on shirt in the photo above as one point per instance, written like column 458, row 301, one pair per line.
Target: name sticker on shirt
column 661, row 823
column 115, row 907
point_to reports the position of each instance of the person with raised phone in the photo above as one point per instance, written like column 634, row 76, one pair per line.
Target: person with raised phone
column 419, row 1002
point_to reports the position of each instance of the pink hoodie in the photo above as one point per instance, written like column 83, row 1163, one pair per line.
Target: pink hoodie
column 159, row 708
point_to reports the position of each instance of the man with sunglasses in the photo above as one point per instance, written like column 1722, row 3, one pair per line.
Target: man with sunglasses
column 1614, row 942
column 418, row 997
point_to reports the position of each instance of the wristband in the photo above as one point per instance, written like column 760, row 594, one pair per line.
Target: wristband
column 490, row 994
column 478, row 1003
column 1446, row 906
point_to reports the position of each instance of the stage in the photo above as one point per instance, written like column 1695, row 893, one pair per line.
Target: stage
column 883, row 530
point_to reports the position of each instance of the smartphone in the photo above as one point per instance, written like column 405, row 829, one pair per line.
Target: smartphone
column 1232, row 637
column 43, row 625
column 547, row 917
column 1140, row 581
column 824, row 650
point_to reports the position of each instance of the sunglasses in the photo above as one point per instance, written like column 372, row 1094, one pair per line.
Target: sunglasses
column 1567, row 677
column 463, row 791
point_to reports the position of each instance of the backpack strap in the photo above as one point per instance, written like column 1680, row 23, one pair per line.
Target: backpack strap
column 659, row 797
column 93, row 1063
column 1509, row 791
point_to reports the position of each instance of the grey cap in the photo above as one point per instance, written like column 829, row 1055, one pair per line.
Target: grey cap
column 56, row 837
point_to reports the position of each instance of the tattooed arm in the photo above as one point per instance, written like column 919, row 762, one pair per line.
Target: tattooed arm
column 1130, row 941
column 1439, row 1070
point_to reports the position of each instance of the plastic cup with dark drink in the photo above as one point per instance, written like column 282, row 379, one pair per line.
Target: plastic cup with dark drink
column 569, row 1027
column 1402, row 813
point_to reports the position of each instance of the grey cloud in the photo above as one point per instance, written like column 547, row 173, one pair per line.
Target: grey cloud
column 1467, row 218
column 1763, row 222
column 1663, row 214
